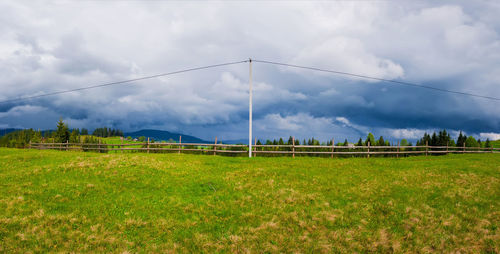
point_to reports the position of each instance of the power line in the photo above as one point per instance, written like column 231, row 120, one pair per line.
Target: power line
column 124, row 81
column 375, row 78
column 258, row 61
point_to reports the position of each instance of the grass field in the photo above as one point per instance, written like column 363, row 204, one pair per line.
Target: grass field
column 495, row 144
column 88, row 202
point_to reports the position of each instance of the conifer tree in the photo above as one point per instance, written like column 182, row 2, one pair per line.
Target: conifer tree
column 84, row 131
column 434, row 139
column 487, row 144
column 62, row 132
column 360, row 142
column 381, row 141
column 461, row 139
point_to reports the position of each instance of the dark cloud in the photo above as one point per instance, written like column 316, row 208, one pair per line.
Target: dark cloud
column 49, row 47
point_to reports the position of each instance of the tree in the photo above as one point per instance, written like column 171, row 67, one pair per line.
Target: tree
column 381, row 141
column 281, row 142
column 142, row 138
column 403, row 142
column 346, row 143
column 360, row 142
column 426, row 139
column 107, row 132
column 315, row 142
column 452, row 143
column 21, row 138
column 471, row 142
column 461, row 139
column 487, row 144
column 84, row 132
column 370, row 138
column 443, row 138
column 74, row 137
column 62, row 132
column 434, row 140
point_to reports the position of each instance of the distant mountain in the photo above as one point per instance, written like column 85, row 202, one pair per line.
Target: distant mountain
column 7, row 131
column 165, row 135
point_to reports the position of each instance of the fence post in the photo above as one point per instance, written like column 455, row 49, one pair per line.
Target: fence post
column 463, row 151
column 333, row 146
column 67, row 145
column 99, row 146
column 29, row 147
column 122, row 146
column 368, row 154
column 180, row 142
column 426, row 147
column 397, row 154
column 447, row 143
column 147, row 146
column 293, row 147
column 215, row 146
column 254, row 148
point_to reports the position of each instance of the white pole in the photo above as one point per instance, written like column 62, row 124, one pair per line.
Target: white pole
column 250, row 110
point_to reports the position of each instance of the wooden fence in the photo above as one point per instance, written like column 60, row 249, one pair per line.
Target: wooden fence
column 266, row 150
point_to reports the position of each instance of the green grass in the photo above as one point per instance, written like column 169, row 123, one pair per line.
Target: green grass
column 495, row 144
column 88, row 202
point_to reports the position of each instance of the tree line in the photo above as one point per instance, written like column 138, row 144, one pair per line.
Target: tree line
column 441, row 138
column 62, row 134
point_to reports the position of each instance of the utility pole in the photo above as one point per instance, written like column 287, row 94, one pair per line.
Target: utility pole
column 250, row 109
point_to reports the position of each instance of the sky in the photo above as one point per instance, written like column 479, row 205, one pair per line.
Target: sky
column 49, row 46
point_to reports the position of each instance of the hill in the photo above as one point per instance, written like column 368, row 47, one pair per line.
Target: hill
column 56, row 201
column 495, row 144
column 7, row 131
column 165, row 135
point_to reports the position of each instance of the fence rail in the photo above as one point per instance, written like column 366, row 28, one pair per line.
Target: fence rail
column 263, row 150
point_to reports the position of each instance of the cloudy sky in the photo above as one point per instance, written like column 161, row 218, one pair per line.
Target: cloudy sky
column 53, row 46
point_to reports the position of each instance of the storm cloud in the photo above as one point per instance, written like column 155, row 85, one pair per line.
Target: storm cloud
column 56, row 46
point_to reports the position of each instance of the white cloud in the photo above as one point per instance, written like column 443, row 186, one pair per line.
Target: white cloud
column 47, row 47
column 405, row 133
column 304, row 125
column 490, row 135
column 347, row 54
column 20, row 110
column 343, row 120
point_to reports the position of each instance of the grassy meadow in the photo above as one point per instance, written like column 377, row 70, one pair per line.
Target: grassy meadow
column 88, row 202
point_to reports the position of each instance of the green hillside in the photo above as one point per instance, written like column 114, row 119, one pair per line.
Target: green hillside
column 496, row 144
column 53, row 201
